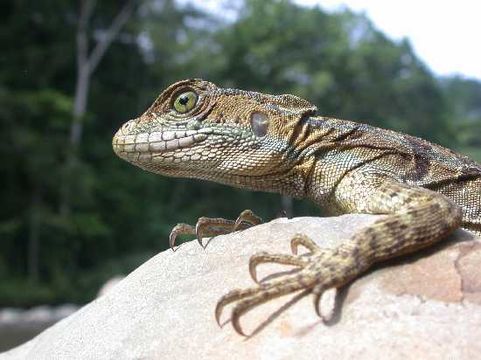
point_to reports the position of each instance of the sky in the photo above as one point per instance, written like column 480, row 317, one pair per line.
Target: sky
column 445, row 34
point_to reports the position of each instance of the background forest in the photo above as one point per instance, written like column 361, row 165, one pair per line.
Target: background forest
column 73, row 215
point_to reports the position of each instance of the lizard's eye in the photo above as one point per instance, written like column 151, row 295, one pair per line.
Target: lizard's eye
column 259, row 123
column 185, row 102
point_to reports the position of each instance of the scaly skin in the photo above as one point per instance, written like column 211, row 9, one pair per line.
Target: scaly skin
column 276, row 144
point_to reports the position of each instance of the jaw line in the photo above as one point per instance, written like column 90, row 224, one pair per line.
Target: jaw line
column 132, row 147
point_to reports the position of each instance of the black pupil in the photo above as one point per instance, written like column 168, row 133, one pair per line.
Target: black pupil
column 183, row 100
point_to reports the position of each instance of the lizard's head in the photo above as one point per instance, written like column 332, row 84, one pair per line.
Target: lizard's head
column 195, row 129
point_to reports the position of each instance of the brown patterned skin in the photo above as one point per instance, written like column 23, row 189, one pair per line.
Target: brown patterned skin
column 275, row 143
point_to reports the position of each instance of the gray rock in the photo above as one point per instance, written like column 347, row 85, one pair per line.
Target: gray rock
column 425, row 306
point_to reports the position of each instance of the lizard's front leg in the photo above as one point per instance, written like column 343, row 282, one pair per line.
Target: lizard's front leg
column 416, row 218
column 208, row 227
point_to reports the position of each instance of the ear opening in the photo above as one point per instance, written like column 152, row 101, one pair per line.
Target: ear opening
column 259, row 123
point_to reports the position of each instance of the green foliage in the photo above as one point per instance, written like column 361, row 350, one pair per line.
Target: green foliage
column 464, row 98
column 120, row 215
column 29, row 144
column 18, row 292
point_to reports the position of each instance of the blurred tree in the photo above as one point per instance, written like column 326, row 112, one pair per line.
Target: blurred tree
column 34, row 121
column 464, row 100
column 37, row 88
column 87, row 61
column 29, row 145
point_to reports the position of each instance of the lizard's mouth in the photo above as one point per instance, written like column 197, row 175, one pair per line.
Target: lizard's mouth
column 143, row 147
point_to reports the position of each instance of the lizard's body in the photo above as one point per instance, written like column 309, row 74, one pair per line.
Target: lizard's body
column 276, row 144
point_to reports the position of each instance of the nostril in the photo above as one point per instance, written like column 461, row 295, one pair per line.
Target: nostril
column 127, row 127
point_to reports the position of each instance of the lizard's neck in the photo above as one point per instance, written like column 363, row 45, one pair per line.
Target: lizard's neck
column 323, row 140
column 290, row 183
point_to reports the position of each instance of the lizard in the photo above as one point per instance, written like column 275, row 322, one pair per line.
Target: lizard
column 278, row 143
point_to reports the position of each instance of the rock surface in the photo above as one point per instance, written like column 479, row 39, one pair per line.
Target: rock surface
column 424, row 306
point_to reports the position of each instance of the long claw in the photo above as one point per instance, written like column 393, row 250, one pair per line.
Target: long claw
column 198, row 234
column 305, row 241
column 230, row 297
column 319, row 271
column 212, row 227
column 252, row 297
column 253, row 262
column 283, row 259
column 236, row 322
column 317, row 293
column 179, row 229
column 209, row 227
column 218, row 312
column 172, row 237
column 247, row 216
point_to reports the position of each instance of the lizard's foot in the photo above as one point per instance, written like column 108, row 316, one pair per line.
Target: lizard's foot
column 207, row 227
column 319, row 270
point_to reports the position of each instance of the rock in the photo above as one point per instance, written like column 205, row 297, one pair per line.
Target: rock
column 423, row 306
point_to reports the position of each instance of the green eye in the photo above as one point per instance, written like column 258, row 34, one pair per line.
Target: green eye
column 185, row 102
